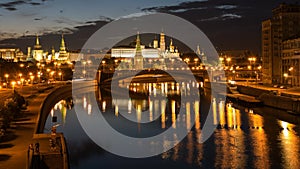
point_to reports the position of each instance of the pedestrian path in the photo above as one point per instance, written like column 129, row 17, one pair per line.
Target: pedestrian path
column 13, row 152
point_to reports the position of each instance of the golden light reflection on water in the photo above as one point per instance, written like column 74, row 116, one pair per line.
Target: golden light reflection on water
column 173, row 114
column 188, row 115
column 163, row 114
column 289, row 142
column 259, row 140
column 197, row 115
column 232, row 143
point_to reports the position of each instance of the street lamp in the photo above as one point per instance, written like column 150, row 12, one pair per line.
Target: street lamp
column 291, row 72
column 228, row 60
column 84, row 63
column 22, row 81
column 6, row 76
column 60, row 74
column 252, row 61
column 13, row 83
column 31, row 78
column 39, row 76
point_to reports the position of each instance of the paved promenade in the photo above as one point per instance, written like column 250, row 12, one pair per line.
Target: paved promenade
column 13, row 150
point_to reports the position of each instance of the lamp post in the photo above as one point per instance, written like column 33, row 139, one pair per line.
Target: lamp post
column 291, row 73
column 252, row 61
column 285, row 75
column 13, row 83
column 6, row 76
column 60, row 74
column 22, row 81
column 84, row 63
column 31, row 78
column 228, row 61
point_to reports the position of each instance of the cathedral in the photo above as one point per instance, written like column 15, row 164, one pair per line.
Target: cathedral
column 38, row 54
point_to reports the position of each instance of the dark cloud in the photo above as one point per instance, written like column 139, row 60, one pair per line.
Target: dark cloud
column 74, row 37
column 229, row 24
column 34, row 3
column 12, row 3
column 12, row 6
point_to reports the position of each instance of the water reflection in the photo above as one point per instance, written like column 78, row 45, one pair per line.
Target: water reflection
column 289, row 142
column 243, row 139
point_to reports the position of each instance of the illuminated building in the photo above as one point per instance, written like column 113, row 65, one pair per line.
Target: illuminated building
column 12, row 54
column 37, row 51
column 291, row 61
column 143, row 57
column 283, row 25
column 63, row 54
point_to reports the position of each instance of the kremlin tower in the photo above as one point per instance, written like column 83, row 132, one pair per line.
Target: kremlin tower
column 138, row 58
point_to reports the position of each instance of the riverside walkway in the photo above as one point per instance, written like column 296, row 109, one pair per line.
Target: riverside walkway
column 13, row 149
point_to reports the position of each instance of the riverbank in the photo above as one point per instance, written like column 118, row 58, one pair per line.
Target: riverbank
column 282, row 99
column 13, row 150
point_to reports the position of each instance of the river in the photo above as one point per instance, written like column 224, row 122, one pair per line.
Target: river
column 242, row 138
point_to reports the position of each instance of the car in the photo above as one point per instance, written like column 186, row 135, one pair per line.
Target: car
column 283, row 87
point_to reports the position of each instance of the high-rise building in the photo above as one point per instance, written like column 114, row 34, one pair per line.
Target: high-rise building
column 285, row 23
column 291, row 62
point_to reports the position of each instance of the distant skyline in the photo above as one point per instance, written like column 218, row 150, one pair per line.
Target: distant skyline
column 230, row 24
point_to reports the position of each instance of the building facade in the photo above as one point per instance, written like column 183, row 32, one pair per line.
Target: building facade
column 12, row 54
column 140, row 57
column 291, row 62
column 285, row 23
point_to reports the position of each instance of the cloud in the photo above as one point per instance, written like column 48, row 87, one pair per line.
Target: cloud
column 11, row 8
column 68, row 21
column 40, row 18
column 209, row 19
column 34, row 3
column 184, row 10
column 135, row 15
column 230, row 16
column 6, row 35
column 222, row 17
column 226, row 7
column 12, row 5
column 181, row 7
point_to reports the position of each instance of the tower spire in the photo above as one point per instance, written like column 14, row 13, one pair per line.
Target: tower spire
column 162, row 42
column 138, row 41
column 138, row 58
column 37, row 43
column 62, row 44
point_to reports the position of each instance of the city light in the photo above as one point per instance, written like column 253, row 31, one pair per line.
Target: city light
column 13, row 83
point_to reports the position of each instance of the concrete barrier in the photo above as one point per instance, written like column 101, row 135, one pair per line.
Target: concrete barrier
column 281, row 102
column 251, row 91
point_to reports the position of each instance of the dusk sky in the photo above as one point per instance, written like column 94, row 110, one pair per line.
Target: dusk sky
column 230, row 24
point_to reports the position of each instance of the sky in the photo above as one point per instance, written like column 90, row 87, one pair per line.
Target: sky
column 230, row 24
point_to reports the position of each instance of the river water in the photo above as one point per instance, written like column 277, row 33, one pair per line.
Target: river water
column 242, row 138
